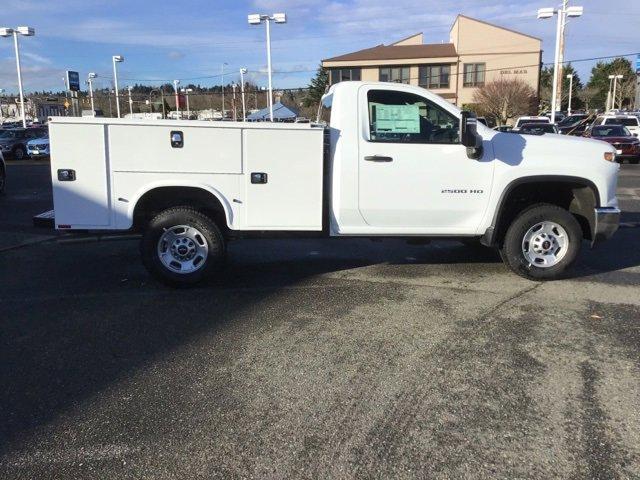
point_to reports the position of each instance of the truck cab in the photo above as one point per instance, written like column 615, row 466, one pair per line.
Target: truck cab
column 385, row 159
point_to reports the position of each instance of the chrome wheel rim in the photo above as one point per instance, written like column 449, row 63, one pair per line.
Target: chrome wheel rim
column 545, row 244
column 183, row 249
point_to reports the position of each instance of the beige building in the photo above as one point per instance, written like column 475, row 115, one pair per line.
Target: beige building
column 478, row 52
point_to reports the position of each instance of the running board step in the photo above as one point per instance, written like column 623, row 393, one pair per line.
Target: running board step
column 45, row 219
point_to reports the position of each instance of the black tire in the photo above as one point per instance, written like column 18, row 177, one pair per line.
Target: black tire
column 19, row 153
column 512, row 248
column 173, row 217
column 635, row 161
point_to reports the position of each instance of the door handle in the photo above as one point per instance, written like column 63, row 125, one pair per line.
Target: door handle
column 378, row 158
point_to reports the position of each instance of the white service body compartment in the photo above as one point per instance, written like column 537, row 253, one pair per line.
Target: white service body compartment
column 117, row 161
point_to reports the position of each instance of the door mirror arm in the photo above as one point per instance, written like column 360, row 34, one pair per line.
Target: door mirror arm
column 469, row 136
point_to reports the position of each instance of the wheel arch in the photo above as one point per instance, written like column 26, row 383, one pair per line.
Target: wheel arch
column 160, row 196
column 579, row 195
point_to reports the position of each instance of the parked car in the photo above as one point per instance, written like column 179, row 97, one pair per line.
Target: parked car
column 13, row 142
column 3, row 173
column 522, row 120
column 574, row 124
column 559, row 116
column 38, row 147
column 630, row 121
column 627, row 145
column 538, row 128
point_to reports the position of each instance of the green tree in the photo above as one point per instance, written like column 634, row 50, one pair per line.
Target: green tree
column 317, row 88
column 600, row 81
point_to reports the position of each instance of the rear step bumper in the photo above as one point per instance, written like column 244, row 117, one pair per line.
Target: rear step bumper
column 45, row 220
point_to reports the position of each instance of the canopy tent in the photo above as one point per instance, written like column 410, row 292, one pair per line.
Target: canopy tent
column 280, row 114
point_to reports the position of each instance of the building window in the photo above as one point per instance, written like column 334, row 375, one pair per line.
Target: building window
column 402, row 117
column 434, row 76
column 394, row 74
column 474, row 74
column 344, row 74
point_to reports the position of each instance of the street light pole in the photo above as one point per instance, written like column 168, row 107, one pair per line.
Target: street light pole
column 562, row 13
column 27, row 32
column 129, row 88
column 186, row 91
column 1, row 92
column 175, row 87
column 244, row 107
column 615, row 83
column 570, row 77
column 256, row 19
column 222, row 83
column 90, row 78
column 117, row 59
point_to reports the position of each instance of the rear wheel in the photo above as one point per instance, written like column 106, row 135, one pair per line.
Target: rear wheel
column 542, row 242
column 182, row 246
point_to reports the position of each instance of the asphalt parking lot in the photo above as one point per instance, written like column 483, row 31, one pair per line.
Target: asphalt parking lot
column 315, row 359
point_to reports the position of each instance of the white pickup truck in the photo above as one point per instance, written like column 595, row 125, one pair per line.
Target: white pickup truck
column 384, row 160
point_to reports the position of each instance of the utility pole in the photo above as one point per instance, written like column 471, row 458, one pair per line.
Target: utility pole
column 560, row 76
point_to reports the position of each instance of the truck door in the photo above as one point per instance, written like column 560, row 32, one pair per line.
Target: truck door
column 413, row 171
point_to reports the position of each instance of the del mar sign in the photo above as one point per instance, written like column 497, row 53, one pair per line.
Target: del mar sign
column 517, row 71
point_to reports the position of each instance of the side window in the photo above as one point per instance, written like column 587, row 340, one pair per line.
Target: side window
column 401, row 117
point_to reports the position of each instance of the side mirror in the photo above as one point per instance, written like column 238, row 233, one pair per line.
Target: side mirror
column 469, row 135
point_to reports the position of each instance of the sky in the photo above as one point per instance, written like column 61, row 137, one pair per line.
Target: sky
column 190, row 40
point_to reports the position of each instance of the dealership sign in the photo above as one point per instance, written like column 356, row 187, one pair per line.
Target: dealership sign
column 73, row 81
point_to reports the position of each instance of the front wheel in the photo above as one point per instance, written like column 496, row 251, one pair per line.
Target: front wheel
column 182, row 246
column 19, row 153
column 542, row 242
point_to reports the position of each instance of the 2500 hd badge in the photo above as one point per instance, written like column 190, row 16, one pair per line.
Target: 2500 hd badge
column 461, row 190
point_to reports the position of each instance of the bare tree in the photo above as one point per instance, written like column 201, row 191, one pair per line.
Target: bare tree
column 505, row 99
column 587, row 94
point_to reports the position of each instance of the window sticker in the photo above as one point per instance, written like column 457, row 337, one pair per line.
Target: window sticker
column 396, row 118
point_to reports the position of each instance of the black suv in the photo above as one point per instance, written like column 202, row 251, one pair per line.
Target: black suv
column 13, row 141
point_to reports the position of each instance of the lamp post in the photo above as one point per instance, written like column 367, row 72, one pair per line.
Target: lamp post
column 90, row 78
column 175, row 87
column 117, row 59
column 562, row 14
column 222, row 83
column 244, row 107
column 615, row 83
column 129, row 88
column 27, row 32
column 1, row 92
column 257, row 19
column 570, row 77
column 187, row 91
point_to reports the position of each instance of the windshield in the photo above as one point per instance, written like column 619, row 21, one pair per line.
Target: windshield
column 538, row 129
column 611, row 131
column 533, row 120
column 8, row 134
column 627, row 122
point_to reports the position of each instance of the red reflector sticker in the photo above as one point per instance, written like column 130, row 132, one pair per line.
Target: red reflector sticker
column 64, row 226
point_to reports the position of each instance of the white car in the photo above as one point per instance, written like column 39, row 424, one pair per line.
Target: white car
column 38, row 147
column 522, row 120
column 632, row 122
column 390, row 160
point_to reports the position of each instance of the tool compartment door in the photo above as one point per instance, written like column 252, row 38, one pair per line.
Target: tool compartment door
column 84, row 201
column 283, row 178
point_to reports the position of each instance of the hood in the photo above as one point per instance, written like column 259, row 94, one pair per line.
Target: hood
column 617, row 139
column 548, row 149
column 39, row 141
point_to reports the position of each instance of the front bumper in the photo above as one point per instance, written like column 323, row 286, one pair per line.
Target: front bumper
column 607, row 220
